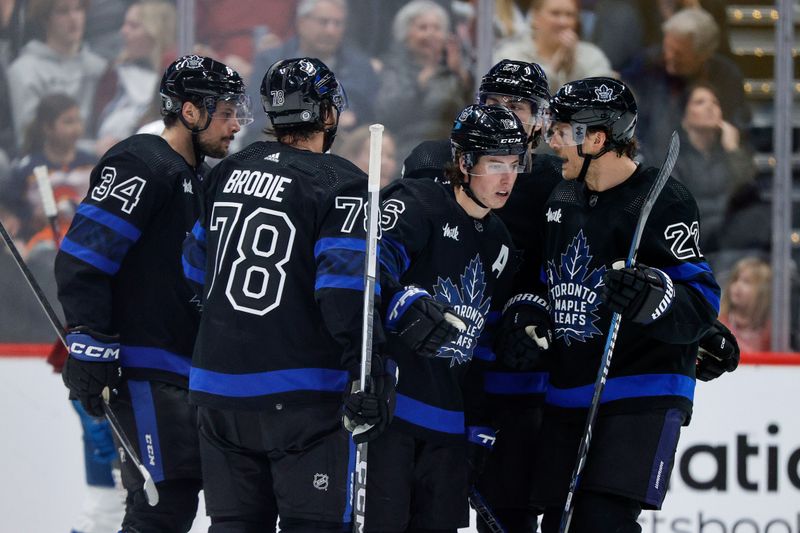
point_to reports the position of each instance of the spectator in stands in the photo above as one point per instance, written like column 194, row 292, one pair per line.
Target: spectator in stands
column 687, row 56
column 712, row 163
column 354, row 146
column 12, row 29
column 126, row 91
column 745, row 304
column 510, row 22
column 556, row 45
column 104, row 18
column 51, row 140
column 424, row 83
column 236, row 30
column 320, row 29
column 57, row 60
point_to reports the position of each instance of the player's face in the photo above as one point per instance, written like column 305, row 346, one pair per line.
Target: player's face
column 522, row 108
column 215, row 140
column 492, row 178
column 564, row 141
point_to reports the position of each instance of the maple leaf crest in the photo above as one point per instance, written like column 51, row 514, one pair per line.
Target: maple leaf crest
column 470, row 305
column 574, row 292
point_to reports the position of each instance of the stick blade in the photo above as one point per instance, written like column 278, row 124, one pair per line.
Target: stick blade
column 150, row 490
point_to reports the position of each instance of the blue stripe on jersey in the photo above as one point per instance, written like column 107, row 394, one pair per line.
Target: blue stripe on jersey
column 109, row 220
column 199, row 232
column 330, row 281
column 394, row 257
column 198, row 275
column 515, row 382
column 622, row 388
column 699, row 277
column 91, row 257
column 144, row 413
column 263, row 383
column 428, row 416
column 543, row 275
column 347, row 517
column 154, row 358
column 493, row 317
column 339, row 243
column 484, row 353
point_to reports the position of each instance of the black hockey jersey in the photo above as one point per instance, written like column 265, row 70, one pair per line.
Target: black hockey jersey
column 429, row 240
column 522, row 215
column 280, row 250
column 119, row 267
column 586, row 232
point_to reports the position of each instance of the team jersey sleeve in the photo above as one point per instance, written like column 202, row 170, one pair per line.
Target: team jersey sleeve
column 405, row 231
column 670, row 244
column 122, row 198
column 194, row 249
column 339, row 254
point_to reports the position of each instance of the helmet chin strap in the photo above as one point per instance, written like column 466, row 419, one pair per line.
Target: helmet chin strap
column 468, row 191
column 199, row 155
column 587, row 159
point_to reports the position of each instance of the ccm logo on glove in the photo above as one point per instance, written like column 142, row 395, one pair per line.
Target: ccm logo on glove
column 86, row 348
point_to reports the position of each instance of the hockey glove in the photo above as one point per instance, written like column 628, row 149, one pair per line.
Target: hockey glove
column 421, row 322
column 367, row 414
column 639, row 293
column 525, row 335
column 718, row 353
column 480, row 442
column 92, row 365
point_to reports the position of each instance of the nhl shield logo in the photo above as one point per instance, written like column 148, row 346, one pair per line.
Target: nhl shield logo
column 321, row 481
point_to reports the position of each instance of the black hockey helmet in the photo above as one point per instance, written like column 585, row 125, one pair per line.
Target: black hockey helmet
column 293, row 91
column 487, row 130
column 596, row 102
column 203, row 79
column 517, row 79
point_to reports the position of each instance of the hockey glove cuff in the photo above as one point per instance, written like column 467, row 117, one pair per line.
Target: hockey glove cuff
column 480, row 442
column 718, row 353
column 525, row 333
column 92, row 365
column 421, row 322
column 367, row 414
column 640, row 293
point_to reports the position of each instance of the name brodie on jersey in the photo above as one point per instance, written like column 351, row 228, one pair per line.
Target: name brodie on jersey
column 256, row 183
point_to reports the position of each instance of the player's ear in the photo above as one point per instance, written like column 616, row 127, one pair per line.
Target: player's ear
column 600, row 137
column 191, row 113
column 462, row 166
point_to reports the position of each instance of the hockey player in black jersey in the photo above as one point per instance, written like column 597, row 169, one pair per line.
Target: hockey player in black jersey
column 279, row 254
column 131, row 316
column 443, row 245
column 516, row 382
column 667, row 300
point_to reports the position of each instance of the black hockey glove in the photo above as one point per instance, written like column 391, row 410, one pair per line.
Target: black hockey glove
column 525, row 333
column 367, row 414
column 92, row 365
column 421, row 322
column 480, row 442
column 718, row 353
column 639, row 293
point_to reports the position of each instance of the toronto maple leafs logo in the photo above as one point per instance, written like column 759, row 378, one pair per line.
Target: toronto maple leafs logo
column 574, row 292
column 604, row 93
column 470, row 306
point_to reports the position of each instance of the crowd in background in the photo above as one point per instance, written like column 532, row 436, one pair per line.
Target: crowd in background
column 76, row 76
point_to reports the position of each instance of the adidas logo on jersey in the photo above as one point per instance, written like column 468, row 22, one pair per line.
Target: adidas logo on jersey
column 275, row 158
column 554, row 216
column 447, row 231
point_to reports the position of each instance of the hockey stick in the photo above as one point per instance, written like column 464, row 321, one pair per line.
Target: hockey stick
column 611, row 337
column 484, row 511
column 150, row 491
column 48, row 201
column 370, row 274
